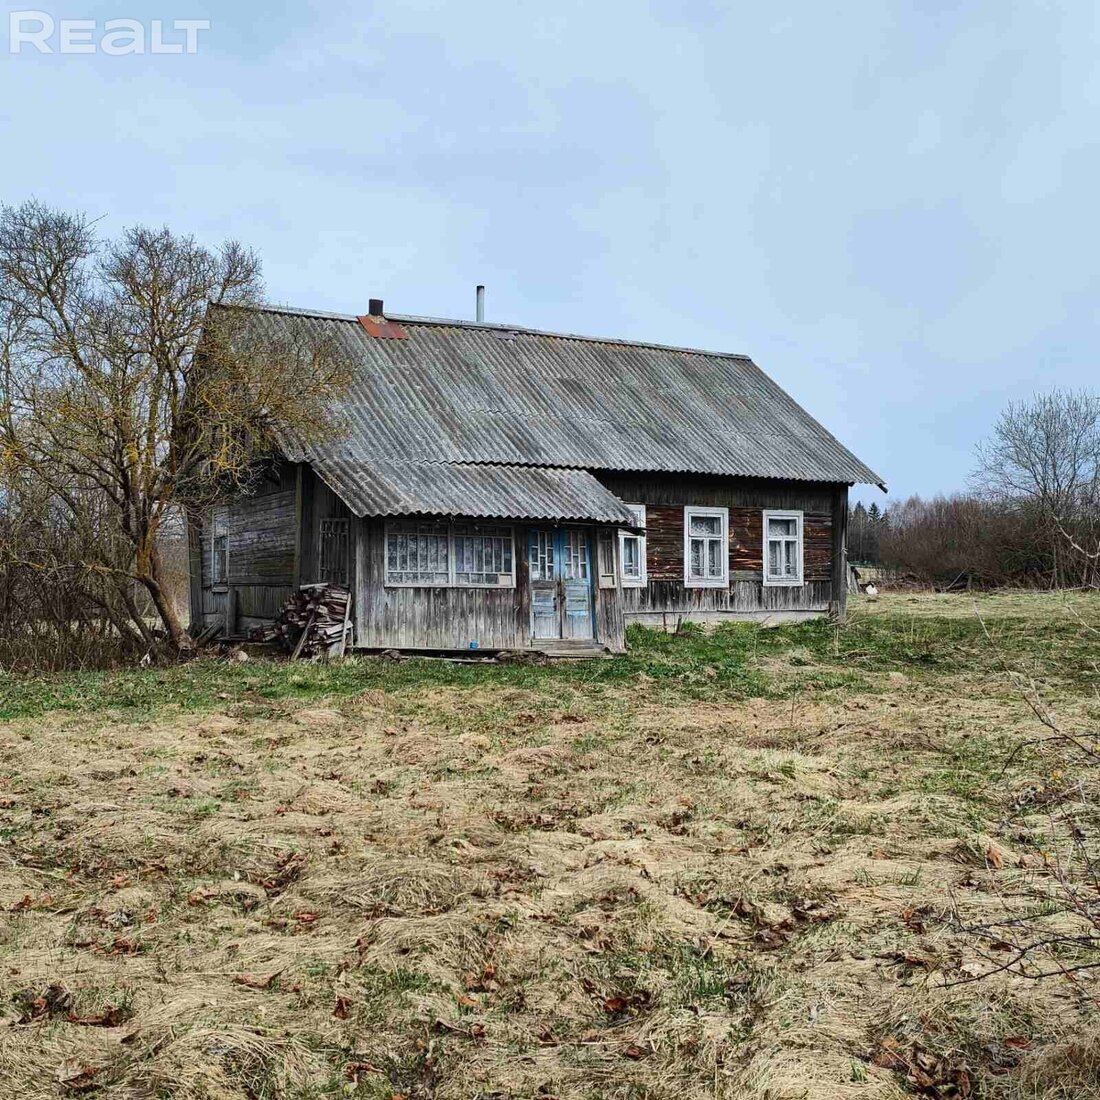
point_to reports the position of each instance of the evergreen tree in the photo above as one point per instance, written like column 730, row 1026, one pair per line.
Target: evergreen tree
column 857, row 530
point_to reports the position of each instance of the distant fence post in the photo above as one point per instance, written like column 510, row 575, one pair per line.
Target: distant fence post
column 838, row 605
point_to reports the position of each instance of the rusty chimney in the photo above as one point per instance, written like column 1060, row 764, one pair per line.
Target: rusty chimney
column 480, row 304
column 375, row 307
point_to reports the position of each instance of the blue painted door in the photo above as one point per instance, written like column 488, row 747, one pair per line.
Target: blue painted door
column 542, row 572
column 559, row 561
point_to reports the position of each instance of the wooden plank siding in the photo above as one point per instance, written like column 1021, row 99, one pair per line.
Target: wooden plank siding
column 665, row 598
column 262, row 539
column 452, row 618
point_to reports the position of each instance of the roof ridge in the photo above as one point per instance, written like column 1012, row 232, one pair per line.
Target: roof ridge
column 522, row 330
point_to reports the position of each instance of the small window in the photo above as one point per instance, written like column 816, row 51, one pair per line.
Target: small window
column 442, row 555
column 575, row 559
column 482, row 556
column 605, row 551
column 782, row 548
column 706, row 547
column 334, row 551
column 418, row 554
column 540, row 558
column 632, row 551
column 219, row 549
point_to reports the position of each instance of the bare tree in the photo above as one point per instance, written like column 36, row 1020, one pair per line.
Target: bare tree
column 135, row 389
column 1044, row 454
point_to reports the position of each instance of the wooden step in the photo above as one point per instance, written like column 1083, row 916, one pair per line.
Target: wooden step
column 586, row 650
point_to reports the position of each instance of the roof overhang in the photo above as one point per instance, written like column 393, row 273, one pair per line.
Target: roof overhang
column 470, row 489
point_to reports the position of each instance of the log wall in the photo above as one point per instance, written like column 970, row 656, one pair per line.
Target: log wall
column 665, row 599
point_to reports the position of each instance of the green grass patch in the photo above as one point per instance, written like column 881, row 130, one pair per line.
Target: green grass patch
column 734, row 661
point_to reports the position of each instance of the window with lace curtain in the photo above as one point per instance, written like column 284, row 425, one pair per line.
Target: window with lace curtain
column 706, row 547
column 782, row 548
column 437, row 554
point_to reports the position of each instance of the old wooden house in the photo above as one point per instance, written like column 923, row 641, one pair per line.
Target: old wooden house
column 504, row 488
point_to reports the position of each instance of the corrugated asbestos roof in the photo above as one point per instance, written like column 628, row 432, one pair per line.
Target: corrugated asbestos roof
column 462, row 489
column 471, row 394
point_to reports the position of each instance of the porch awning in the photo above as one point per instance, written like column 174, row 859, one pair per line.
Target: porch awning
column 470, row 489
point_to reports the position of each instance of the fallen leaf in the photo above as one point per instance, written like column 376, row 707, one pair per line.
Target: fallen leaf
column 340, row 1012
column 444, row 1025
column 74, row 1076
column 483, row 983
column 123, row 945
column 254, row 981
column 913, row 918
column 1017, row 1042
column 618, row 1004
column 109, row 1017
column 994, row 858
column 55, row 998
column 130, row 1034
column 353, row 1070
column 888, row 1059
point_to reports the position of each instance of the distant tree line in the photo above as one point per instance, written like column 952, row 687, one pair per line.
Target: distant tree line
column 1031, row 516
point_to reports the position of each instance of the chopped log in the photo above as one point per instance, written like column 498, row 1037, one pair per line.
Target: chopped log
column 347, row 627
column 303, row 638
column 208, row 633
column 313, row 623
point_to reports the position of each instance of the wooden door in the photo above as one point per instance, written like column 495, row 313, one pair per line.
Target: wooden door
column 576, row 583
column 542, row 571
column 559, row 571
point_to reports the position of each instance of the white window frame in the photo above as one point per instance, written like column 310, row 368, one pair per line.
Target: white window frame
column 642, row 580
column 219, row 528
column 710, row 513
column 785, row 582
column 452, row 558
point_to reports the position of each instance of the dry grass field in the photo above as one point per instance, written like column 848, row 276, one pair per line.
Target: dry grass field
column 727, row 865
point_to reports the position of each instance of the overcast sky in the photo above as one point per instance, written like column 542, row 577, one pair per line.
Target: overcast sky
column 890, row 206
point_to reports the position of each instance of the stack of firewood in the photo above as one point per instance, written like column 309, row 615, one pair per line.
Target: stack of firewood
column 314, row 622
